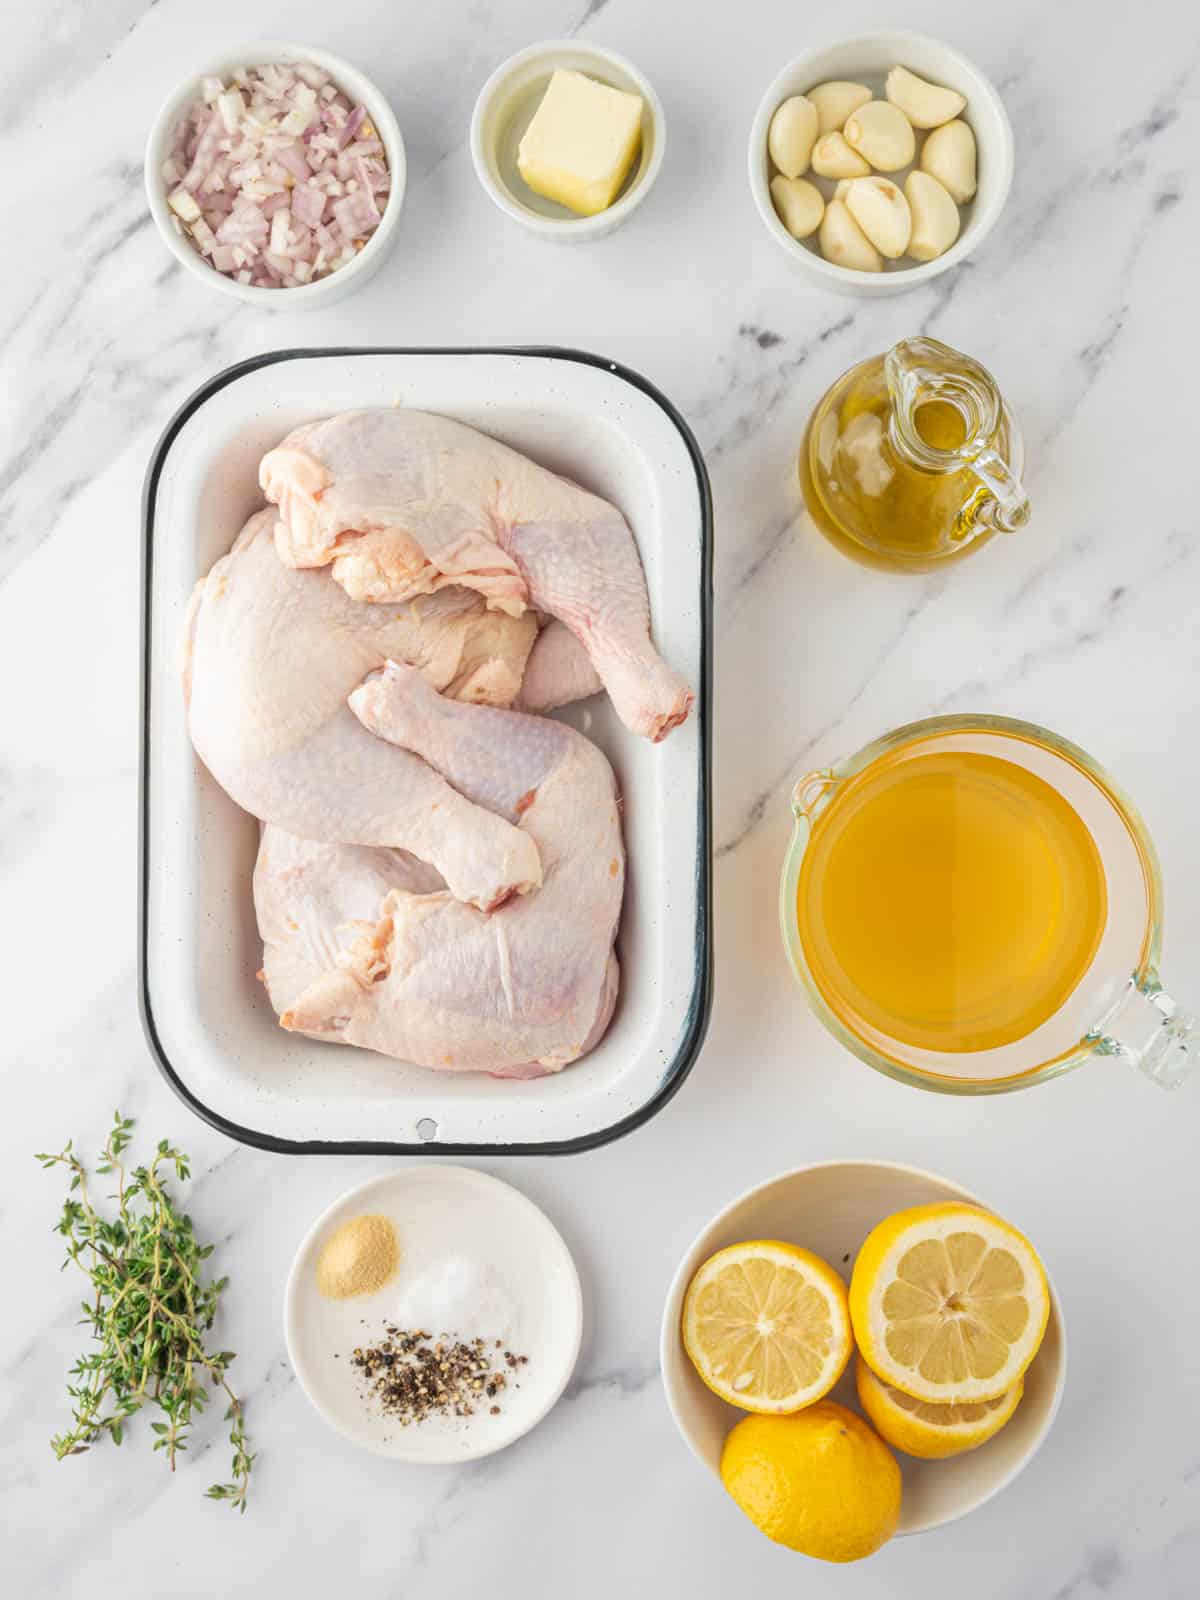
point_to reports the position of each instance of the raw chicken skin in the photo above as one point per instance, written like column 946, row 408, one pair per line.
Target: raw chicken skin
column 402, row 503
column 520, row 992
column 558, row 672
column 315, row 901
column 271, row 655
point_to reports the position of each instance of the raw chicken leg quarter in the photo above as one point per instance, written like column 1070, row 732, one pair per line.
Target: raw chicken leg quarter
column 358, row 948
column 270, row 656
column 404, row 503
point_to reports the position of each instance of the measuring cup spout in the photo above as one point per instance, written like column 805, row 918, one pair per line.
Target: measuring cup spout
column 811, row 792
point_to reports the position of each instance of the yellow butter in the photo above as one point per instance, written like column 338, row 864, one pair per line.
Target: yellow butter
column 581, row 143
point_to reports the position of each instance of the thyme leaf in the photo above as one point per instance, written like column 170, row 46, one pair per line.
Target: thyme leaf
column 148, row 1310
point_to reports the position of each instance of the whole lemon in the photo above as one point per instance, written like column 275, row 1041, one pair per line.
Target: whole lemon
column 821, row 1481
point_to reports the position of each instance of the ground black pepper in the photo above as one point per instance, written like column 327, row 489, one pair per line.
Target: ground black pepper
column 410, row 1376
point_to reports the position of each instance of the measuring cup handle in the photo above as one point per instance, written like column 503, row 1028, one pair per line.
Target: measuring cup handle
column 1148, row 1027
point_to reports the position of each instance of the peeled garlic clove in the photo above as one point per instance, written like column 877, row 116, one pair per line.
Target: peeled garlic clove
column 926, row 105
column 882, row 213
column 792, row 134
column 949, row 156
column 882, row 135
column 843, row 186
column 844, row 243
column 837, row 101
column 798, row 205
column 832, row 157
column 935, row 219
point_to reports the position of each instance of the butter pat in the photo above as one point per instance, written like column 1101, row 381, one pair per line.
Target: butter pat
column 581, row 143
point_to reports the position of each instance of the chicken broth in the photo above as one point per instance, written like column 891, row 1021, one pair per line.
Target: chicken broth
column 951, row 901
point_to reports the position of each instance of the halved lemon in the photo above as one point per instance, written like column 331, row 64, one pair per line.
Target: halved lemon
column 767, row 1326
column 924, row 1429
column 949, row 1303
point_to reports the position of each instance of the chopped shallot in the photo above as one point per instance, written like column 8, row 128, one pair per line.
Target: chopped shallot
column 232, row 108
column 292, row 157
column 308, row 204
column 280, row 223
column 355, row 214
column 353, row 123
column 275, row 175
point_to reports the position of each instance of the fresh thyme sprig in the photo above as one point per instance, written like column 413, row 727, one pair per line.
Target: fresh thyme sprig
column 149, row 1311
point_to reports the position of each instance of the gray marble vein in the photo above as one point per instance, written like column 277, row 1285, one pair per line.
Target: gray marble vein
column 1083, row 303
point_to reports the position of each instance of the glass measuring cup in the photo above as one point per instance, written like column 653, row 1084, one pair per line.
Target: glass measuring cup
column 1117, row 1008
column 912, row 459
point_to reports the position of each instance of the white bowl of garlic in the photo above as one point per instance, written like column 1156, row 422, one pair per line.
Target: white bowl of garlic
column 880, row 162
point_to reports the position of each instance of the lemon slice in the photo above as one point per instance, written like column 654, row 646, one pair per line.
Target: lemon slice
column 949, row 1303
column 767, row 1326
column 925, row 1429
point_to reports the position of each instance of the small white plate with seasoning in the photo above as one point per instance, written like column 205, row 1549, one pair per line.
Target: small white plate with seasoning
column 474, row 1260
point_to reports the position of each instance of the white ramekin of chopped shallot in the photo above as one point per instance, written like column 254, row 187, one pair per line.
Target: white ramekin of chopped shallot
column 276, row 175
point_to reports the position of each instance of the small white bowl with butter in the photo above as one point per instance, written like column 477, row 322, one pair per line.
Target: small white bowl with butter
column 576, row 142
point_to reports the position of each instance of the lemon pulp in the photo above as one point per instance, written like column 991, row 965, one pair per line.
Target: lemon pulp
column 767, row 1326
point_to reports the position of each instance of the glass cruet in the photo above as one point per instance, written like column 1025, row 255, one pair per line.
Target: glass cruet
column 913, row 459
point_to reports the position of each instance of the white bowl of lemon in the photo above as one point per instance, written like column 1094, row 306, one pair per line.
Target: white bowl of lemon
column 860, row 1349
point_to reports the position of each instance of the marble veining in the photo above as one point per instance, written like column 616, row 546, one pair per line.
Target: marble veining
column 1083, row 304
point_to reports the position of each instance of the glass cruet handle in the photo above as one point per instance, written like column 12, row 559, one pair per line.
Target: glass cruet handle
column 1149, row 1028
column 1006, row 507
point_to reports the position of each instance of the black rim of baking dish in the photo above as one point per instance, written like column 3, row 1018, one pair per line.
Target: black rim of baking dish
column 696, row 1024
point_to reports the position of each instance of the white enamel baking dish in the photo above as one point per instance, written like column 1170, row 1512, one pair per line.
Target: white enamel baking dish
column 207, row 1019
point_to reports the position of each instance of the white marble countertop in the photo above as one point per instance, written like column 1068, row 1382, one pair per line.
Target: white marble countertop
column 1083, row 304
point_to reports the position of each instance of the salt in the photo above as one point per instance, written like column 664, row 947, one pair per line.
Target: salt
column 459, row 1296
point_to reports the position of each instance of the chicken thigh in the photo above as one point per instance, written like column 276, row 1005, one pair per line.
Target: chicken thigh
column 359, row 950
column 402, row 503
column 269, row 658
